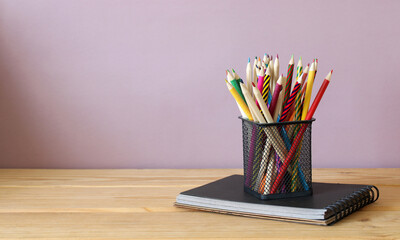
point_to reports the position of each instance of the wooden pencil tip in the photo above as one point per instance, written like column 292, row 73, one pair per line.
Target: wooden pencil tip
column 328, row 77
column 331, row 71
column 249, row 60
column 291, row 60
column 277, row 56
column 233, row 71
column 253, row 84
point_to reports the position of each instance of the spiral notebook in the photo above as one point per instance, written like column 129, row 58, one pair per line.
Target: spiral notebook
column 329, row 203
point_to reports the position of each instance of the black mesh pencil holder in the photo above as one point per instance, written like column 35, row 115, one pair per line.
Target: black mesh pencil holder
column 265, row 148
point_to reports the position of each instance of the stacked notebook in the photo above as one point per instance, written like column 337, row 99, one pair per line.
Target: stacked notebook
column 328, row 204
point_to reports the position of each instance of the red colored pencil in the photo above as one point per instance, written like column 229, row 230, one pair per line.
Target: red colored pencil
column 299, row 136
column 275, row 96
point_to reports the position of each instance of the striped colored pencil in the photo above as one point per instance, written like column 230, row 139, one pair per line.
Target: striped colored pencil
column 289, row 77
column 296, row 115
column 266, row 83
column 299, row 136
column 293, row 109
column 299, row 69
column 297, row 108
column 289, row 103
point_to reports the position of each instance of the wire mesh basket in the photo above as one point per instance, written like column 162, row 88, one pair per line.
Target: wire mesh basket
column 265, row 147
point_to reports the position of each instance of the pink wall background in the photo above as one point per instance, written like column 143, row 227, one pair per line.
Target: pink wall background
column 140, row 84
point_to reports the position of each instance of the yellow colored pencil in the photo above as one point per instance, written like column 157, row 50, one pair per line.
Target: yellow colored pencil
column 307, row 97
column 239, row 100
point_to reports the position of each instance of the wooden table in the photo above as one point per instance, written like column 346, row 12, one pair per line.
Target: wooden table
column 138, row 204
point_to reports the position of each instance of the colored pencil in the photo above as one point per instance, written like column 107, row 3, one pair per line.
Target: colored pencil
column 248, row 75
column 252, row 148
column 263, row 106
column 320, row 93
column 239, row 100
column 276, row 68
column 266, row 60
column 270, row 173
column 266, row 83
column 289, row 77
column 272, row 73
column 235, row 84
column 275, row 96
column 277, row 142
column 279, row 103
column 299, row 136
column 255, row 71
column 299, row 69
column 293, row 110
column 307, row 97
column 291, row 99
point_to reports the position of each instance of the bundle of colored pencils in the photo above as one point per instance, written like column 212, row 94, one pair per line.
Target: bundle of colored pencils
column 268, row 97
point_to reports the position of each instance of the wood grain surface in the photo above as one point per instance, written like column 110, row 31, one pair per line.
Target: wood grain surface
column 138, row 204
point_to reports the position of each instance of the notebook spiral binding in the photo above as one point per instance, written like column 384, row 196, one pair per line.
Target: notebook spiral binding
column 353, row 202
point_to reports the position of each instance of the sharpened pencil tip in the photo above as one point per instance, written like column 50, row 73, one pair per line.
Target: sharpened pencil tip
column 233, row 71
column 249, row 60
column 253, row 84
column 277, row 56
column 331, row 71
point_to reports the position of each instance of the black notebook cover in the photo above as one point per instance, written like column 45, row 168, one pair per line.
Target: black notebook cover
column 338, row 200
